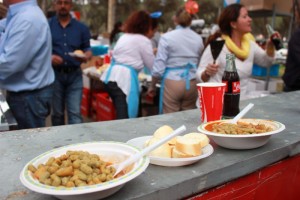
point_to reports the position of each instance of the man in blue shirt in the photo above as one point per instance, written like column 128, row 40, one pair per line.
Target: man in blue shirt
column 25, row 63
column 68, row 35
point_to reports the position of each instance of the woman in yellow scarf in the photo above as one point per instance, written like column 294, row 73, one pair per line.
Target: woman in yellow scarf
column 235, row 27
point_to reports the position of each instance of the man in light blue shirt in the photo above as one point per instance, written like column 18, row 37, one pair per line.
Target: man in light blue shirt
column 25, row 63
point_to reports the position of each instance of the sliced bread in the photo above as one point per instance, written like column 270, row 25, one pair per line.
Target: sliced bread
column 202, row 138
column 164, row 150
column 178, row 154
column 163, row 131
column 188, row 146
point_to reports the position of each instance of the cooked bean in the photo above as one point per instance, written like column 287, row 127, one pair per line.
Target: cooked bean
column 65, row 171
column 56, row 180
column 65, row 180
column 43, row 176
column 86, row 169
column 52, row 169
column 70, row 184
column 73, row 169
column 32, row 168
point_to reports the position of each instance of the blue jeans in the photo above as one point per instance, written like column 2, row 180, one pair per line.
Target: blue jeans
column 30, row 108
column 67, row 94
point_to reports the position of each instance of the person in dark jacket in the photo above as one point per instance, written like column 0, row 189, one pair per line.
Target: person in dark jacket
column 291, row 76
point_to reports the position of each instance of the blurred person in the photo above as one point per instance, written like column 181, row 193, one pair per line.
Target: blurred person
column 154, row 38
column 175, row 64
column 235, row 27
column 25, row 63
column 68, row 35
column 291, row 76
column 156, row 34
column 132, row 52
column 115, row 34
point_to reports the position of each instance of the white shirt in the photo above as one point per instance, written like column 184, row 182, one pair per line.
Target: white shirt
column 244, row 67
column 134, row 50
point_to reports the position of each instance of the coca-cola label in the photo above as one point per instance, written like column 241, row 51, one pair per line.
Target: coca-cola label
column 235, row 86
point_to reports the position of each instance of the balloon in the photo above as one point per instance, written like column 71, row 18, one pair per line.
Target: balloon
column 191, row 7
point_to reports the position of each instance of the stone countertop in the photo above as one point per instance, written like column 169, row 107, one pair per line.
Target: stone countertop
column 157, row 182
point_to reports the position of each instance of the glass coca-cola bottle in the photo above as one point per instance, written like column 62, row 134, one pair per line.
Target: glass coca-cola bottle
column 232, row 92
column 274, row 36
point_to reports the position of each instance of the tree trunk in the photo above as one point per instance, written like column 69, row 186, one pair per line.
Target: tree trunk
column 111, row 15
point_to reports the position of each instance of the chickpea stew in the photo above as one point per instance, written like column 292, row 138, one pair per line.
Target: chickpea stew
column 239, row 128
column 73, row 169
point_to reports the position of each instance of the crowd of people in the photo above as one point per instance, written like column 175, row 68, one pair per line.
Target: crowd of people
column 36, row 70
column 41, row 77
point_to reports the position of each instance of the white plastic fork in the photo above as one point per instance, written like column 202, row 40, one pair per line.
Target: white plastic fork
column 120, row 166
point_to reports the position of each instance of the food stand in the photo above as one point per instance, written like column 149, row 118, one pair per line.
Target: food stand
column 236, row 171
column 7, row 120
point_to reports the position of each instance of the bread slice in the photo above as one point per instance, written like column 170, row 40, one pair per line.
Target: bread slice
column 164, row 150
column 163, row 131
column 188, row 146
column 202, row 138
column 178, row 154
column 78, row 51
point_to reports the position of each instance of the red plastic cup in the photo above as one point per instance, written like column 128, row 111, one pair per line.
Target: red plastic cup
column 211, row 100
column 106, row 59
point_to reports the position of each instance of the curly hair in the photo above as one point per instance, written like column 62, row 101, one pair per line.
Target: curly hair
column 138, row 22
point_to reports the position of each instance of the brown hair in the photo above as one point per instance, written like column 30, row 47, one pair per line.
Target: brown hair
column 138, row 22
column 230, row 14
column 183, row 18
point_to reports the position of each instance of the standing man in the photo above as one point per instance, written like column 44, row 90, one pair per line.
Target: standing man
column 68, row 35
column 25, row 63
column 291, row 76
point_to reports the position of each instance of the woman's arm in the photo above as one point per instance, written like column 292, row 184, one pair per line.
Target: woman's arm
column 206, row 68
column 159, row 66
column 262, row 57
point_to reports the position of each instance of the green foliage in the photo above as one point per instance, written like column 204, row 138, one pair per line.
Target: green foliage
column 95, row 13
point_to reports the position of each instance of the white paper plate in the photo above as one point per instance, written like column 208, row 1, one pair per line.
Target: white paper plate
column 170, row 162
column 97, row 191
column 77, row 55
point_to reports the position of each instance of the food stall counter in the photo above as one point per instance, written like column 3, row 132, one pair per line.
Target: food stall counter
column 157, row 182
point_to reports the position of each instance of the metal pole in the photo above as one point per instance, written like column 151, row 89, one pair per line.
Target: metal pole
column 269, row 68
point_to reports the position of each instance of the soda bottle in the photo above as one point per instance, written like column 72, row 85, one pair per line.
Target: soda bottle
column 232, row 91
column 275, row 38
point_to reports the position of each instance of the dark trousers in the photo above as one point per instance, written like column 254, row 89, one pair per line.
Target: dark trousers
column 290, row 89
column 118, row 98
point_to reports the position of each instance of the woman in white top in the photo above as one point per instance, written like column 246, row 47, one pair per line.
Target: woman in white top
column 132, row 52
column 235, row 28
column 176, row 63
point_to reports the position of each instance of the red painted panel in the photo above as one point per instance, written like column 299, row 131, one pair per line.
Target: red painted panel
column 278, row 181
